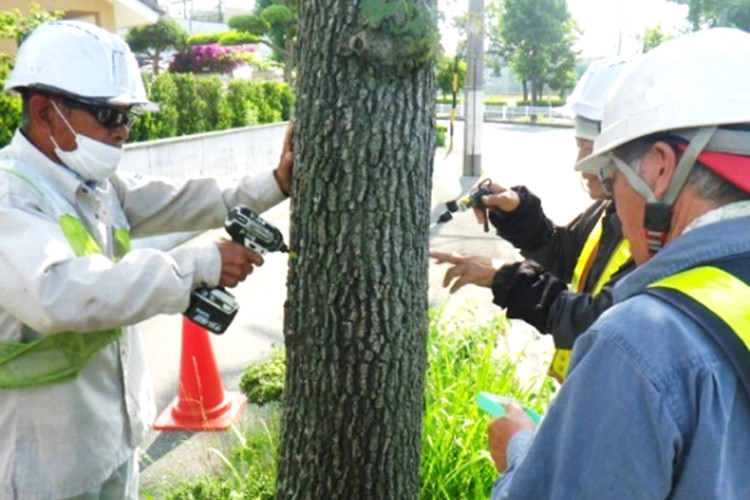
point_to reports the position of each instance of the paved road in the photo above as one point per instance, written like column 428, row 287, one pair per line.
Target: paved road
column 539, row 157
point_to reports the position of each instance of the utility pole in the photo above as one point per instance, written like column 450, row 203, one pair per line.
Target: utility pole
column 474, row 100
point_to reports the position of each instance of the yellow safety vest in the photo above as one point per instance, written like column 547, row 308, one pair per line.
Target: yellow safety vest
column 718, row 301
column 59, row 357
column 561, row 359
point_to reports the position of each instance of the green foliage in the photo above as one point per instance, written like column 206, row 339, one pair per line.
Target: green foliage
column 255, row 25
column 495, row 100
column 440, row 132
column 15, row 26
column 237, row 38
column 203, row 38
column 258, row 101
column 161, row 89
column 450, row 70
column 714, row 13
column 188, row 104
column 10, row 105
column 190, row 110
column 537, row 38
column 224, row 38
column 263, row 383
column 217, row 113
column 275, row 24
column 455, row 459
column 250, row 468
column 653, row 37
column 543, row 101
column 398, row 34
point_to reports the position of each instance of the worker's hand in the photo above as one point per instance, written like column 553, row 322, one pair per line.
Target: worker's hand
column 500, row 198
column 237, row 262
column 283, row 172
column 466, row 270
column 502, row 429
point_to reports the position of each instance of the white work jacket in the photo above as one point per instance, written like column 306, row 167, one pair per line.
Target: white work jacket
column 63, row 439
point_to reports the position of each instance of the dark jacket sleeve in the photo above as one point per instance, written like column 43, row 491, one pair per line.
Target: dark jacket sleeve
column 527, row 292
column 539, row 298
column 555, row 247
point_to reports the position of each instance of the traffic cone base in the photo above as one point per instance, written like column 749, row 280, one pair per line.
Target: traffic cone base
column 201, row 403
column 181, row 416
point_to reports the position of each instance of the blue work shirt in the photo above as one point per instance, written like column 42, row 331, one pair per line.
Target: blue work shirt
column 650, row 409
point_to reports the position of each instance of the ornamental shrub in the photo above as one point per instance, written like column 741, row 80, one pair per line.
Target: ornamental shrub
column 209, row 58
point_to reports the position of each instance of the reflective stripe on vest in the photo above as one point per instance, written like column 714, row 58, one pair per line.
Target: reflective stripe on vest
column 717, row 301
column 561, row 359
column 59, row 357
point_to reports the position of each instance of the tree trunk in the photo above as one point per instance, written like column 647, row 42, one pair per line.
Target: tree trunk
column 155, row 62
column 355, row 317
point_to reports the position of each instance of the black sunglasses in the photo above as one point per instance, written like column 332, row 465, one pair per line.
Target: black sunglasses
column 104, row 115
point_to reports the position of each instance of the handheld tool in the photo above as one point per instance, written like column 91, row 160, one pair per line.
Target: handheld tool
column 215, row 308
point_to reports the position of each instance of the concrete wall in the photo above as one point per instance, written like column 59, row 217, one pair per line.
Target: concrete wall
column 227, row 153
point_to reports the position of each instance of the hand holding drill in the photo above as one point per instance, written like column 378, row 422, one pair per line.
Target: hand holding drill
column 215, row 308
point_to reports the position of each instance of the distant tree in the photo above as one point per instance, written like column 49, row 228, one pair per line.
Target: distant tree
column 154, row 39
column 653, row 36
column 14, row 25
column 275, row 23
column 448, row 68
column 712, row 13
column 536, row 37
column 561, row 74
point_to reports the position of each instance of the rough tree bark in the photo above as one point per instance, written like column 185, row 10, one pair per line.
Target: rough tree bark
column 355, row 316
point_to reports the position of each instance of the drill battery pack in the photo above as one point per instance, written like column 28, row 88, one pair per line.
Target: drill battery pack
column 212, row 308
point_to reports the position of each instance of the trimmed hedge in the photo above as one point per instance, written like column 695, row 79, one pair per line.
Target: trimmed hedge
column 191, row 104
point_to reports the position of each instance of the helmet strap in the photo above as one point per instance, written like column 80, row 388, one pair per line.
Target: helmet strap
column 657, row 219
column 697, row 144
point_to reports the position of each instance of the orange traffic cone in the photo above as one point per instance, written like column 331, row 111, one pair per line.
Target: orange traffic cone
column 201, row 404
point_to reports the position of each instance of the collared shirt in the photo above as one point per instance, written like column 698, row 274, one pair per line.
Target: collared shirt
column 651, row 408
column 60, row 440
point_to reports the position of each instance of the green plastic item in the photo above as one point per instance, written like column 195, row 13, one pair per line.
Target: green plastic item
column 495, row 405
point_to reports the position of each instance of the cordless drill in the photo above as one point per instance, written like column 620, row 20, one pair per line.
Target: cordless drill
column 473, row 199
column 215, row 308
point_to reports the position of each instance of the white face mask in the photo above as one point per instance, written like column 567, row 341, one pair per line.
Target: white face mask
column 93, row 160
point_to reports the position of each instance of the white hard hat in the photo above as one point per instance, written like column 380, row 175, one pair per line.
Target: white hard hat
column 698, row 80
column 586, row 102
column 82, row 60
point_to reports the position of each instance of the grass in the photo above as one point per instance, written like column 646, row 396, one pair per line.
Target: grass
column 462, row 361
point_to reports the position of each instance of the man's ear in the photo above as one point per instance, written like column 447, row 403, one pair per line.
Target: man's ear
column 41, row 114
column 661, row 169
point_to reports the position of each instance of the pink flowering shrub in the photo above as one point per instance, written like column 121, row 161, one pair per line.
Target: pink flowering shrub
column 209, row 58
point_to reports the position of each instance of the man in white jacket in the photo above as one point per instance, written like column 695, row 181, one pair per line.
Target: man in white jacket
column 75, row 399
